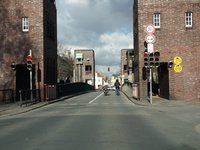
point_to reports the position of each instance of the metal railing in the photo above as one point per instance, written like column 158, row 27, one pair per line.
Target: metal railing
column 6, row 96
column 73, row 88
column 29, row 96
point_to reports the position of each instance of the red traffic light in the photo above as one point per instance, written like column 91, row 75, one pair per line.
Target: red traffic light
column 157, row 54
column 29, row 57
column 146, row 55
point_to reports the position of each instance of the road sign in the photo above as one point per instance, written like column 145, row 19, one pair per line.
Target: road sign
column 177, row 60
column 150, row 48
column 150, row 29
column 150, row 39
column 178, row 68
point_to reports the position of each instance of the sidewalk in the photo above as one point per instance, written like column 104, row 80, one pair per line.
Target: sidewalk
column 158, row 101
column 15, row 108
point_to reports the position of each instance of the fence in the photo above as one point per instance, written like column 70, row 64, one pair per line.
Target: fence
column 29, row 96
column 73, row 88
column 6, row 96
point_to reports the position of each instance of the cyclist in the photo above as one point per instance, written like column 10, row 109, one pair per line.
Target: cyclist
column 117, row 84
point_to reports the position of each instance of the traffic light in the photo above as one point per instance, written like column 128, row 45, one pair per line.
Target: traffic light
column 151, row 60
column 145, row 44
column 170, row 64
column 108, row 69
column 13, row 65
column 29, row 62
column 157, row 58
column 146, row 59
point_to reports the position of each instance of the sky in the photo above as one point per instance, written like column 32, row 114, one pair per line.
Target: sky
column 106, row 26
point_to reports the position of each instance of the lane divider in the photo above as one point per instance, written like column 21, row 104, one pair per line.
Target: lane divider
column 95, row 98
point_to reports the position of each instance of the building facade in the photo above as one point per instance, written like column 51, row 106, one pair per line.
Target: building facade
column 177, row 32
column 84, row 70
column 127, row 58
column 28, row 25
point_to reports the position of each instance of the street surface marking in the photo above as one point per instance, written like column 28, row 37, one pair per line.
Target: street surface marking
column 95, row 98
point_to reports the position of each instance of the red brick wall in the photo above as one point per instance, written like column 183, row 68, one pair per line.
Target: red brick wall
column 173, row 39
column 15, row 44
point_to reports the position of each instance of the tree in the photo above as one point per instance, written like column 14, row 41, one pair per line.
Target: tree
column 65, row 63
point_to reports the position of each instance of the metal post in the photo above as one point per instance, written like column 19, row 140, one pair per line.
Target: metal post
column 31, row 86
column 150, row 78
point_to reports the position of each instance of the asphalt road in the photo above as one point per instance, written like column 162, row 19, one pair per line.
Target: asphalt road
column 96, row 122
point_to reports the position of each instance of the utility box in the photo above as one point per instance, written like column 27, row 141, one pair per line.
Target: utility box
column 135, row 88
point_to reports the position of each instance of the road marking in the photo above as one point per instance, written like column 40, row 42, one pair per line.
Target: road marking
column 95, row 98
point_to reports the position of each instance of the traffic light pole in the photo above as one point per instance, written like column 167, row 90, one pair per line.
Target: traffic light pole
column 31, row 76
column 31, row 86
column 150, row 78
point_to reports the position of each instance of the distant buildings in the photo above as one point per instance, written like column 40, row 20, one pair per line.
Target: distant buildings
column 28, row 25
column 127, row 58
column 100, row 80
column 177, row 34
column 84, row 70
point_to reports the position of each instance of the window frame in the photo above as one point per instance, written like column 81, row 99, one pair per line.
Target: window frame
column 188, row 19
column 25, row 24
column 157, row 20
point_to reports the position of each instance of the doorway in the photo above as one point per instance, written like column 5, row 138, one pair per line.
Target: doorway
column 23, row 79
column 163, row 76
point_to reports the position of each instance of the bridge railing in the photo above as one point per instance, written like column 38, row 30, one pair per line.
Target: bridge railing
column 6, row 96
column 29, row 96
column 73, row 88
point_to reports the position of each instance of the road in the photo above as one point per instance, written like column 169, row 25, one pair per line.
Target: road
column 96, row 122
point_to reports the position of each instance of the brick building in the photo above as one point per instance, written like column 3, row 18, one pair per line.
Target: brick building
column 84, row 70
column 127, row 57
column 28, row 25
column 177, row 34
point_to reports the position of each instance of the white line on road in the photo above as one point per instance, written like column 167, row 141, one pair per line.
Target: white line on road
column 95, row 98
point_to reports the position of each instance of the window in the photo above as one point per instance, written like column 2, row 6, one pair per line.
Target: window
column 25, row 24
column 156, row 20
column 188, row 19
column 88, row 69
column 79, row 58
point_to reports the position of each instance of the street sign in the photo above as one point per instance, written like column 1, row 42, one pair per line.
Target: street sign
column 150, row 39
column 150, row 29
column 177, row 60
column 178, row 68
column 150, row 48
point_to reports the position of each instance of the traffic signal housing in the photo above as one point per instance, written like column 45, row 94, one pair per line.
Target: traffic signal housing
column 170, row 64
column 29, row 64
column 13, row 65
column 146, row 59
column 151, row 60
column 157, row 58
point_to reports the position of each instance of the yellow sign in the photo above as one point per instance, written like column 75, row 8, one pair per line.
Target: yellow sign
column 177, row 60
column 178, row 68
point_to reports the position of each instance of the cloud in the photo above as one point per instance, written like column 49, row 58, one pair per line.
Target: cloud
column 103, row 25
